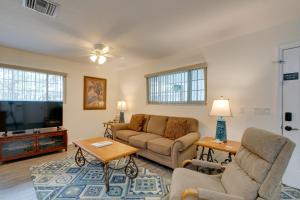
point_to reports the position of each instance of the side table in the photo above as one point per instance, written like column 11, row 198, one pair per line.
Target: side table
column 209, row 142
column 108, row 130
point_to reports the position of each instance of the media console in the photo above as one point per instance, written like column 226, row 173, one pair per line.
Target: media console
column 14, row 146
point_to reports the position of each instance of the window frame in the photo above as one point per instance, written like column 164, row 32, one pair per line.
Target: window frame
column 47, row 72
column 188, row 69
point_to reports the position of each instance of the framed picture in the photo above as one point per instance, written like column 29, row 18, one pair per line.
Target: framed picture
column 94, row 94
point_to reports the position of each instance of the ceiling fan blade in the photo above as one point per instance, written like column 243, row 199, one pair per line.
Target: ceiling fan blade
column 108, row 55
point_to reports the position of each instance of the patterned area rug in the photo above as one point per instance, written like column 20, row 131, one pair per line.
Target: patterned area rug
column 290, row 193
column 64, row 180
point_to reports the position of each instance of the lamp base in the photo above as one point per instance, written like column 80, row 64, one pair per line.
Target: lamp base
column 122, row 117
column 221, row 130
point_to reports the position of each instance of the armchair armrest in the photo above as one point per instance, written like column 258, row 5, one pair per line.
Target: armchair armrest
column 202, row 163
column 185, row 141
column 118, row 126
column 204, row 194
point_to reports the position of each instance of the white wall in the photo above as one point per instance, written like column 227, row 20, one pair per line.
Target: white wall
column 240, row 69
column 80, row 123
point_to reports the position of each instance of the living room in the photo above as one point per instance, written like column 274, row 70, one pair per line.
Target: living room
column 240, row 49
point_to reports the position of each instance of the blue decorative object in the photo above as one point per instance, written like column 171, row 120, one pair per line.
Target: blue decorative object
column 221, row 130
column 122, row 117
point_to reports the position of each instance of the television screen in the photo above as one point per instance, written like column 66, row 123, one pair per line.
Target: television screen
column 23, row 115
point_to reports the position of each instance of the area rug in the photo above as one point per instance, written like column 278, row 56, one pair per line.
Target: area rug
column 290, row 193
column 64, row 180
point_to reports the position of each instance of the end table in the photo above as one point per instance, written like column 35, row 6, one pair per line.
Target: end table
column 108, row 130
column 209, row 142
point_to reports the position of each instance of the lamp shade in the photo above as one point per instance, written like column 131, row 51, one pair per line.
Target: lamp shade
column 221, row 108
column 121, row 105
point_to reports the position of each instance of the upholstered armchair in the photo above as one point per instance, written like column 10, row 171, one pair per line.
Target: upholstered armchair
column 255, row 173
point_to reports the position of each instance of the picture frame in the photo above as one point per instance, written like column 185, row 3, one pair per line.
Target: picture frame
column 94, row 93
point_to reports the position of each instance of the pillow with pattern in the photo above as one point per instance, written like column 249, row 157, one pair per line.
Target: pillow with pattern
column 176, row 128
column 136, row 122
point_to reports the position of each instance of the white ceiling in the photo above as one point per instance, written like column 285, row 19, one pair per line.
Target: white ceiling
column 138, row 30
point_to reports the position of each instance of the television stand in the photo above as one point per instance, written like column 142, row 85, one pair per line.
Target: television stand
column 24, row 145
column 18, row 132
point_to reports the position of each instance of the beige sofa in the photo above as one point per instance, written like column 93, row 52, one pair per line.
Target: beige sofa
column 152, row 143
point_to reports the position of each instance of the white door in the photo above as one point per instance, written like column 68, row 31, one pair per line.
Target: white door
column 291, row 110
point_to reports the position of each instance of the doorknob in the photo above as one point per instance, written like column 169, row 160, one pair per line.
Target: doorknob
column 289, row 128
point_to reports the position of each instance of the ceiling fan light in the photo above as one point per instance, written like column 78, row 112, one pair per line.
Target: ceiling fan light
column 102, row 60
column 93, row 58
column 105, row 49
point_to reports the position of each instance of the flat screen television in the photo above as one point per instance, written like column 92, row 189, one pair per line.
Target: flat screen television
column 23, row 115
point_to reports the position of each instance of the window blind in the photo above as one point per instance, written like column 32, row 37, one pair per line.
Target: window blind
column 24, row 85
column 180, row 86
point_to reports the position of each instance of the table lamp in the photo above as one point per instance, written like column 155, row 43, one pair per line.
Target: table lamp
column 122, row 108
column 221, row 109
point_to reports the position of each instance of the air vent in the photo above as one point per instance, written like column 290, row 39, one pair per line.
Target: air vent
column 42, row 6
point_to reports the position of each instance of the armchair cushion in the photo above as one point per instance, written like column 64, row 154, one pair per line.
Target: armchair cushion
column 237, row 182
column 185, row 178
column 253, row 165
column 261, row 141
column 161, row 146
column 184, row 142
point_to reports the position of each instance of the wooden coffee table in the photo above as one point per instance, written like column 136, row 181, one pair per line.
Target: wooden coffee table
column 105, row 155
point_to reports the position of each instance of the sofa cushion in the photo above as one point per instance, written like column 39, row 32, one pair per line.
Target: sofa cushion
column 125, row 134
column 185, row 178
column 161, row 146
column 136, row 122
column 142, row 139
column 157, row 124
column 176, row 128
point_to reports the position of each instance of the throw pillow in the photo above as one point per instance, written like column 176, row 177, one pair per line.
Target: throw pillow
column 136, row 122
column 176, row 128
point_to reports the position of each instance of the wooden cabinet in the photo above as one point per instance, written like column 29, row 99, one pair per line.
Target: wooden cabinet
column 30, row 144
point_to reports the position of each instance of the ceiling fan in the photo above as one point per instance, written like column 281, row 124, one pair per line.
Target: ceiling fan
column 100, row 53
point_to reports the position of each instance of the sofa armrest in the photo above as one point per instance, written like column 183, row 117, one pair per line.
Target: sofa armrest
column 185, row 141
column 118, row 126
column 204, row 194
column 202, row 163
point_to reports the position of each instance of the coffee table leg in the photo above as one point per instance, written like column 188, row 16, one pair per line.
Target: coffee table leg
column 106, row 176
column 79, row 158
column 131, row 169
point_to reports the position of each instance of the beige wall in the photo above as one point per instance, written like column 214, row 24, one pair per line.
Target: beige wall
column 80, row 123
column 240, row 69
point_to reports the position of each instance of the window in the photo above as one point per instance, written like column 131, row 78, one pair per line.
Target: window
column 18, row 84
column 180, row 86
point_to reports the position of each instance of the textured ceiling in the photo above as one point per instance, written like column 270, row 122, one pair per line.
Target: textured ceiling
column 138, row 30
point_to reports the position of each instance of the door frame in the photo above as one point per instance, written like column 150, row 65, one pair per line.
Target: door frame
column 287, row 46
column 291, row 45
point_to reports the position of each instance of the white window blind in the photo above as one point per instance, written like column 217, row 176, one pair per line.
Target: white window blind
column 23, row 85
column 182, row 86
